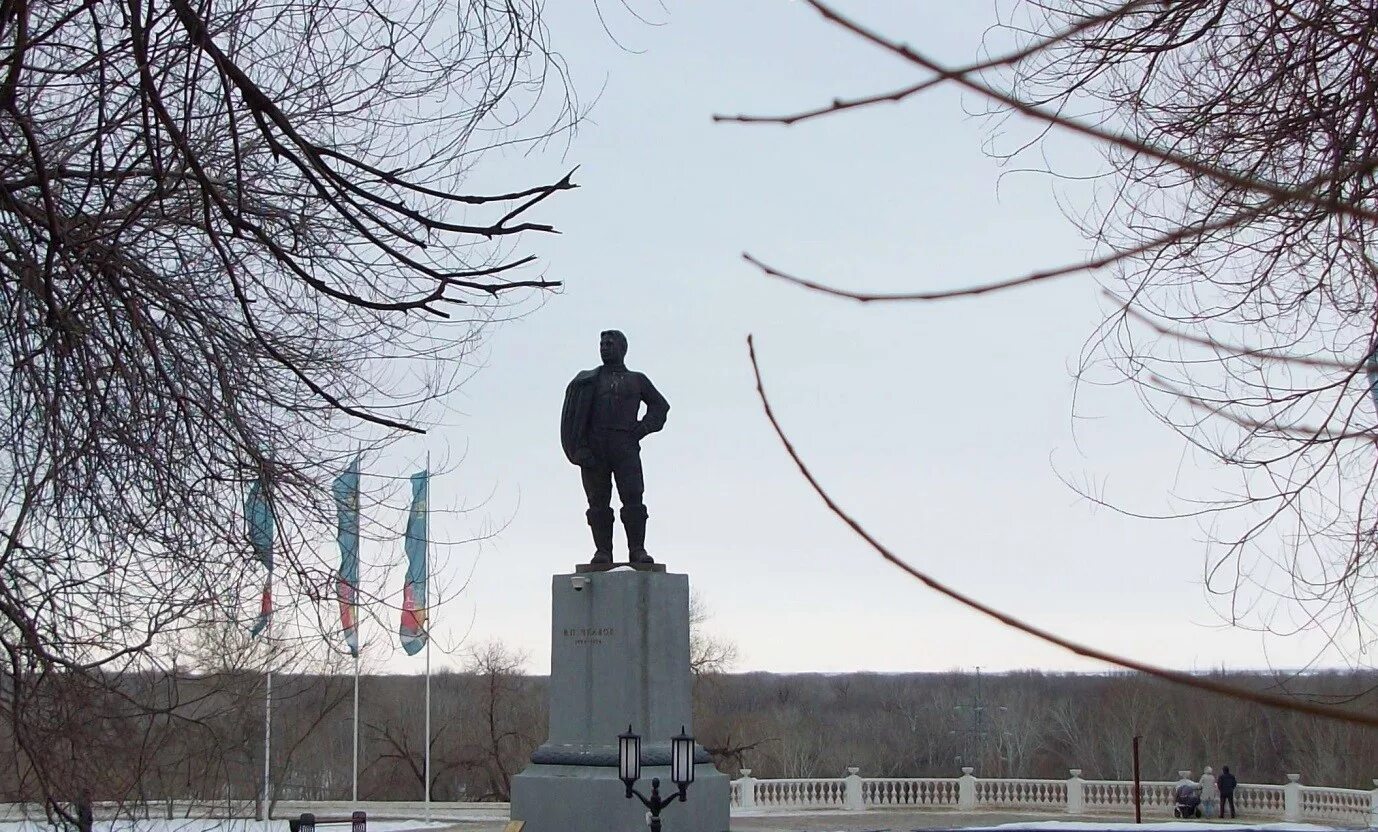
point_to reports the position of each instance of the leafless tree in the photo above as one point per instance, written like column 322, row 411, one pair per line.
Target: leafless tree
column 507, row 728
column 1018, row 730
column 708, row 653
column 727, row 736
column 1231, row 225
column 1043, row 725
column 236, row 246
column 928, row 721
column 902, row 725
column 1248, row 315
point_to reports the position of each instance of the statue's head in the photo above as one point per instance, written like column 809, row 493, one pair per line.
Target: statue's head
column 612, row 346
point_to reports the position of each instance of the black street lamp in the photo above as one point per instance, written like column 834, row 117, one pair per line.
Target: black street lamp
column 681, row 771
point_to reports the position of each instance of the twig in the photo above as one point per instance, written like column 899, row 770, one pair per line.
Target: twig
column 960, row 76
column 1092, row 265
column 895, row 96
column 1235, row 350
column 1008, row 620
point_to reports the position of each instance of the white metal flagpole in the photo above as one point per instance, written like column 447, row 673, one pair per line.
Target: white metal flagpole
column 428, row 714
column 354, row 794
column 427, row 631
column 268, row 707
column 358, row 632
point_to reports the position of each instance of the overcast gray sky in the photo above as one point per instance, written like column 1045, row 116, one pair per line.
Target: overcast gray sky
column 943, row 427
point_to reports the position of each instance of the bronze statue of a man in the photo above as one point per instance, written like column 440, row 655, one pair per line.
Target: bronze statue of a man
column 601, row 428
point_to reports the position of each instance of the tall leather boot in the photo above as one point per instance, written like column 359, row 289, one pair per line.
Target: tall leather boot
column 600, row 523
column 634, row 521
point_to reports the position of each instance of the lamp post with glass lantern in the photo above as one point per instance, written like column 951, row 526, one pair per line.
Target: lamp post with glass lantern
column 681, row 771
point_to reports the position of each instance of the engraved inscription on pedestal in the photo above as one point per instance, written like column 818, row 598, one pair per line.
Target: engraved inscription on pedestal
column 588, row 636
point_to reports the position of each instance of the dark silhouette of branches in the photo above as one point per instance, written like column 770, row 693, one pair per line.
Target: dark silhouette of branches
column 1237, row 207
column 969, row 79
column 235, row 248
column 894, row 97
column 1199, row 682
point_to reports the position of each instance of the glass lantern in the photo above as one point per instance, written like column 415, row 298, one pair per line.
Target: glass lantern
column 682, row 759
column 629, row 758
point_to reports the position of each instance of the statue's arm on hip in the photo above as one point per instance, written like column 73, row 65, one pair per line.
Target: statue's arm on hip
column 657, row 408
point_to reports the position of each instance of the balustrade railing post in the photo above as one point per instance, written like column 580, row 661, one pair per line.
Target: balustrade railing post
column 746, row 790
column 1291, row 798
column 1076, row 793
column 1373, row 806
column 852, row 798
column 966, row 790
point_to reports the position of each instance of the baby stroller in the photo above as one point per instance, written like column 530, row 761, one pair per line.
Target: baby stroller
column 1187, row 801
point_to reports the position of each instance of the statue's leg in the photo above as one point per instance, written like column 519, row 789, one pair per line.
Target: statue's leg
column 598, row 489
column 627, row 473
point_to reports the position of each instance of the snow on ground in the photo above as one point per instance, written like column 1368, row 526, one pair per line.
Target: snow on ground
column 492, row 822
column 1162, row 826
column 218, row 825
column 920, row 820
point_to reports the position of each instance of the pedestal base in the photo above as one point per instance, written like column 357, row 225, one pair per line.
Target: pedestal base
column 619, row 657
column 591, row 799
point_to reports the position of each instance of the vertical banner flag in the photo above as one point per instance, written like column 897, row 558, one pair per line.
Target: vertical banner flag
column 413, row 628
column 262, row 526
column 346, row 492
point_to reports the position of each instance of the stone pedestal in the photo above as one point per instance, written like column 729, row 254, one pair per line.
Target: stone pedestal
column 619, row 655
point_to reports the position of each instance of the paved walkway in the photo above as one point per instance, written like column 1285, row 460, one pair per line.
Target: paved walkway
column 872, row 821
column 492, row 817
column 880, row 821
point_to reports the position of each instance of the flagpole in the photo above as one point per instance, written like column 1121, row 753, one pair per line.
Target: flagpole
column 428, row 714
column 268, row 708
column 347, row 487
column 258, row 511
column 354, row 794
column 429, row 619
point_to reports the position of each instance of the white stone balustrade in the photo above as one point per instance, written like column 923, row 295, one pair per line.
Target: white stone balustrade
column 937, row 792
column 1292, row 801
column 800, row 793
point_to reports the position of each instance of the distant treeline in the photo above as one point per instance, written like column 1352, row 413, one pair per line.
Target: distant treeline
column 1032, row 724
column 204, row 739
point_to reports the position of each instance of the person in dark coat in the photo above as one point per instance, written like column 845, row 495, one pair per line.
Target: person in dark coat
column 601, row 428
column 1227, row 784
